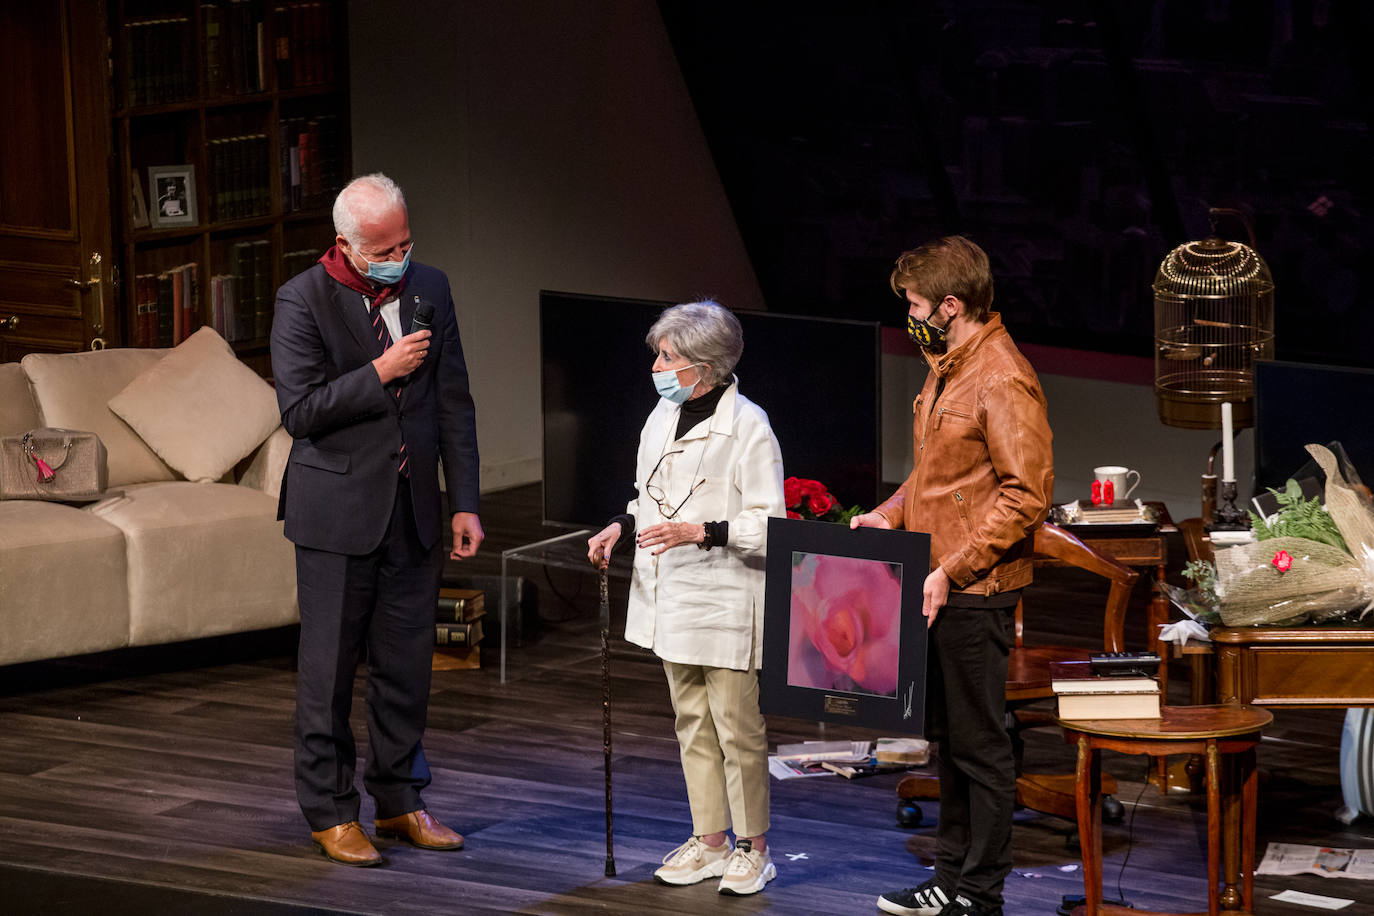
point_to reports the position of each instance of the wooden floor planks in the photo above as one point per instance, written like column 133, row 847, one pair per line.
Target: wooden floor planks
column 164, row 774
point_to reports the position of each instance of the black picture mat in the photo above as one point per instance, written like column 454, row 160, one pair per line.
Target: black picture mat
column 818, row 379
column 904, row 713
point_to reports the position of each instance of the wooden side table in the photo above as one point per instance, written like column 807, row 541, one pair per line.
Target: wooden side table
column 1149, row 552
column 1226, row 736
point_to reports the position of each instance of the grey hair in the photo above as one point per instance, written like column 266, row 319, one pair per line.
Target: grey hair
column 702, row 332
column 364, row 199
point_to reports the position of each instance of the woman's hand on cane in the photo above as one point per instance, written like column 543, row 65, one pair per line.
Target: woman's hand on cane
column 599, row 545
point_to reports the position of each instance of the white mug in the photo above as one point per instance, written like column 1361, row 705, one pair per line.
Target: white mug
column 1118, row 477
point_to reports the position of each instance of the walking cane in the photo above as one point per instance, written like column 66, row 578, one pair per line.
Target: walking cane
column 606, row 712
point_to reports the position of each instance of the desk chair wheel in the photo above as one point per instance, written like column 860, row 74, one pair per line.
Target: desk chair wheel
column 908, row 813
column 1113, row 812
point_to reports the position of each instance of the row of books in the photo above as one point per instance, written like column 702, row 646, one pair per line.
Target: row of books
column 239, row 177
column 241, row 300
column 235, row 54
column 458, row 628
column 167, row 306
column 303, row 31
column 299, row 261
column 311, row 162
column 158, row 55
column 1084, row 693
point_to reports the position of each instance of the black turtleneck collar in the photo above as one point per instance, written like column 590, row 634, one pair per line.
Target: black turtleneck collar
column 698, row 409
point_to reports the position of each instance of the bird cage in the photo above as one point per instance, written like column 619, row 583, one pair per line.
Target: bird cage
column 1214, row 317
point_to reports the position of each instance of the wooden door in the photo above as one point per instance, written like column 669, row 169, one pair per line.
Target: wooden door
column 55, row 228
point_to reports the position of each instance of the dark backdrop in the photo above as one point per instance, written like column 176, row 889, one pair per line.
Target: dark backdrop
column 1078, row 141
column 818, row 380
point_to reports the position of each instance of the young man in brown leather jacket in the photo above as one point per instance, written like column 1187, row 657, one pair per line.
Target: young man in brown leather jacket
column 980, row 485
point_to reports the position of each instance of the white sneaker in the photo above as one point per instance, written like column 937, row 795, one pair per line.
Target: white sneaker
column 747, row 871
column 692, row 862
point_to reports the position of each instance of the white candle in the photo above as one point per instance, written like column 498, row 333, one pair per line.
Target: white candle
column 1228, row 460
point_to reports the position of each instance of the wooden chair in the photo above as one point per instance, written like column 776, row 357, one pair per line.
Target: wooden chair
column 1028, row 676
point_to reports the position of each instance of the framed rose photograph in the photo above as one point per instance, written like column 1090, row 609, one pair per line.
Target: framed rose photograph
column 844, row 639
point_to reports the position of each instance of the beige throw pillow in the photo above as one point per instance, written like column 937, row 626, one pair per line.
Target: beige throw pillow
column 199, row 408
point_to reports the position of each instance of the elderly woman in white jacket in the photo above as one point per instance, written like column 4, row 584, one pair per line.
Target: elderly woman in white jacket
column 708, row 476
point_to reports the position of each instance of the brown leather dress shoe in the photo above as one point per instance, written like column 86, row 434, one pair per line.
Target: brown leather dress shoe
column 347, row 845
column 419, row 829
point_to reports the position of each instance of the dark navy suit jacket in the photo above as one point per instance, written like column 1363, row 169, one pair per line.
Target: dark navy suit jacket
column 340, row 480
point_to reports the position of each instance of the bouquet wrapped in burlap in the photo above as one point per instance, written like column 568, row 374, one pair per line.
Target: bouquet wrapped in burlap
column 1285, row 581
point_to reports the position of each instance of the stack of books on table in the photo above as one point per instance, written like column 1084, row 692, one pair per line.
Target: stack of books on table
column 458, row 628
column 1085, row 693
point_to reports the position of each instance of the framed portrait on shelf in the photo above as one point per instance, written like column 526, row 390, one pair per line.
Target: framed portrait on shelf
column 844, row 639
column 172, row 189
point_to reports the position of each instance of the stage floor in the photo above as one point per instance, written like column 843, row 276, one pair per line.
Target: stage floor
column 159, row 780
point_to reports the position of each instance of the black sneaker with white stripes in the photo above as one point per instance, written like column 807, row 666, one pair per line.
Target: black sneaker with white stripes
column 927, row 900
column 962, row 906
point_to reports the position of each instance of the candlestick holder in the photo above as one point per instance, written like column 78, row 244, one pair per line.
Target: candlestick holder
column 1228, row 517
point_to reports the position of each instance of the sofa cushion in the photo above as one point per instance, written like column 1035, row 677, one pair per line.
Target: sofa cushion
column 72, row 390
column 204, row 559
column 200, row 409
column 63, row 584
column 18, row 412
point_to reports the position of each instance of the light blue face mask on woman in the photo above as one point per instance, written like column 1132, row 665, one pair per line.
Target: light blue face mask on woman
column 667, row 385
column 388, row 273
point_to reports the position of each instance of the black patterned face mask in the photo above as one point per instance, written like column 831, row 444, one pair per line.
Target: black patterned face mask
column 926, row 335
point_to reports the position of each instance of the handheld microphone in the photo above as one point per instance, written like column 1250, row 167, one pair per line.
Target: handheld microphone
column 423, row 317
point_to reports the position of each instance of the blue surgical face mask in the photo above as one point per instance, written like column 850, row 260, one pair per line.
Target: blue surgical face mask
column 388, row 273
column 669, row 387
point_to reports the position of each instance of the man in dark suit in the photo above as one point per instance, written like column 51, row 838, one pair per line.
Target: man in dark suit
column 372, row 410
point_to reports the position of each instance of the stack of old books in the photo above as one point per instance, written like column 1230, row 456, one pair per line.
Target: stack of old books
column 1106, row 689
column 458, row 628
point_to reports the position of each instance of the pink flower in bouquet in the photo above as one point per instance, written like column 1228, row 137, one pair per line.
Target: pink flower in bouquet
column 1283, row 561
column 845, row 633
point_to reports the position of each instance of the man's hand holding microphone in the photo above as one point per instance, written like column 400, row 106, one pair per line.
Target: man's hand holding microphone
column 405, row 355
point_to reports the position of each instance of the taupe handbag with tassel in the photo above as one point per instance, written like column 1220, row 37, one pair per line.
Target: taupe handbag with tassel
column 63, row 465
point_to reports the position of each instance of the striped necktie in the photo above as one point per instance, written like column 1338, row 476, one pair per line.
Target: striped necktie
column 384, row 338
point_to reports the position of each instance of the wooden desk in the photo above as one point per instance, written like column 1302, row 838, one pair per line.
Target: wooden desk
column 1218, row 733
column 1318, row 665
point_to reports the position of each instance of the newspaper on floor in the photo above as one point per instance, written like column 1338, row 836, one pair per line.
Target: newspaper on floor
column 793, row 761
column 1295, row 859
column 785, row 768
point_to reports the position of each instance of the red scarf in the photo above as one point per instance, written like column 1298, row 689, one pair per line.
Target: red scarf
column 341, row 268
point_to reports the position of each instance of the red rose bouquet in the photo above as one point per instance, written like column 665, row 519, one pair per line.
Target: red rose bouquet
column 809, row 499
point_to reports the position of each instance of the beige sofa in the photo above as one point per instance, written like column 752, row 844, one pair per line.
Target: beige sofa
column 161, row 558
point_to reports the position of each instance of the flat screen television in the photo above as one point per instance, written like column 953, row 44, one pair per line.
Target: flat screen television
column 819, row 380
column 1300, row 403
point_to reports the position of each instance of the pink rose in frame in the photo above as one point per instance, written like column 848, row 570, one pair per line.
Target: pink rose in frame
column 845, row 624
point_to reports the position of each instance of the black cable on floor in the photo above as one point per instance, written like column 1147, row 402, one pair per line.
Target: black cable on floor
column 1130, row 828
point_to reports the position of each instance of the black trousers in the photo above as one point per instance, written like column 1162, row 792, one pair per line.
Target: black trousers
column 386, row 600
column 966, row 712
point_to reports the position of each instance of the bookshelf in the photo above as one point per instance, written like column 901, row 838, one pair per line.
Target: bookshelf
column 231, row 135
